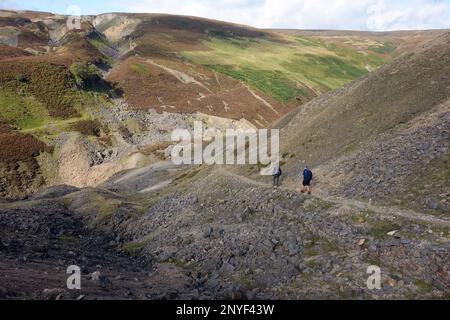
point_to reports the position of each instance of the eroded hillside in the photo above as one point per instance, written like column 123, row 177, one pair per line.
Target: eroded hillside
column 90, row 113
column 385, row 137
column 116, row 88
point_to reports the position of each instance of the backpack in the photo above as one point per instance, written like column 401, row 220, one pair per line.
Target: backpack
column 277, row 173
column 307, row 174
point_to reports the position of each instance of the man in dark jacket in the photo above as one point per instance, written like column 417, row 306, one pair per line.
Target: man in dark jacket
column 307, row 178
column 276, row 176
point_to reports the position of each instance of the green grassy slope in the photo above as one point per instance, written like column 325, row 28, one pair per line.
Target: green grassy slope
column 294, row 66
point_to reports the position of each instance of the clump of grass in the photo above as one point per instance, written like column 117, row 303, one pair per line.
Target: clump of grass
column 313, row 264
column 21, row 78
column 133, row 247
column 318, row 204
column 246, row 281
column 424, row 286
column 67, row 238
column 140, row 68
column 311, row 251
column 178, row 263
column 359, row 218
column 380, row 229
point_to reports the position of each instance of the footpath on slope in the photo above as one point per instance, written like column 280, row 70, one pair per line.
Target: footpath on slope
column 393, row 211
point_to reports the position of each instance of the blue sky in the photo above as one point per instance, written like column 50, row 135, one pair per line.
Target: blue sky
column 377, row 15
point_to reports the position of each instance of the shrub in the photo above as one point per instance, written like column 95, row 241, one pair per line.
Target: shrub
column 88, row 127
column 84, row 74
column 21, row 78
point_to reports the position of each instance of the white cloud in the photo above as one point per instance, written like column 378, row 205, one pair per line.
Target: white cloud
column 417, row 14
column 310, row 14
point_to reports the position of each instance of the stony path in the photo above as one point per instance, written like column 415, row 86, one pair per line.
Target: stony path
column 392, row 211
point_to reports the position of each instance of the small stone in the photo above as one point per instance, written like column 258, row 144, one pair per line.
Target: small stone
column 392, row 233
column 95, row 276
column 432, row 203
column 361, row 242
column 226, row 267
column 208, row 232
column 392, row 283
column 292, row 248
column 193, row 200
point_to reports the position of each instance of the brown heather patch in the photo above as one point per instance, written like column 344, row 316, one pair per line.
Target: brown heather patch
column 220, row 95
column 4, row 128
column 79, row 49
column 17, row 147
column 14, row 21
column 29, row 39
column 35, row 14
column 11, row 52
column 88, row 127
column 18, row 165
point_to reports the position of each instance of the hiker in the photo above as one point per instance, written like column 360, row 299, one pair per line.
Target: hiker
column 276, row 176
column 307, row 178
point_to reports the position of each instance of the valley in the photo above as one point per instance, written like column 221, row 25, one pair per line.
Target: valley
column 86, row 177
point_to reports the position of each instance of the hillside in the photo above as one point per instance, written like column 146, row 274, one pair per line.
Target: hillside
column 206, row 233
column 384, row 137
column 125, row 81
column 86, row 178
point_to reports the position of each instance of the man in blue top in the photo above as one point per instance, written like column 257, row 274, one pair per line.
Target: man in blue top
column 307, row 178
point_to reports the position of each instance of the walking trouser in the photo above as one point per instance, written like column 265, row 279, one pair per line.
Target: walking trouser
column 276, row 181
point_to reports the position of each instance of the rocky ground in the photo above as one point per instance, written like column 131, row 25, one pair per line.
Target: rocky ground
column 209, row 234
column 142, row 228
column 408, row 166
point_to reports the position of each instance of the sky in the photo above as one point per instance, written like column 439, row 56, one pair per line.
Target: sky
column 373, row 15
